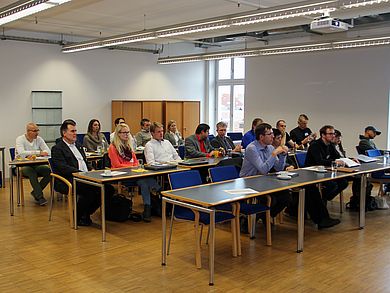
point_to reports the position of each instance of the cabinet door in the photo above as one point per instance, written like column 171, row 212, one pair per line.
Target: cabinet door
column 153, row 111
column 132, row 114
column 191, row 117
column 116, row 112
column 174, row 111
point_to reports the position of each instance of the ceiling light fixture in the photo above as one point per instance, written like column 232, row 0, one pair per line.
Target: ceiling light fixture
column 24, row 8
column 335, row 45
column 307, row 8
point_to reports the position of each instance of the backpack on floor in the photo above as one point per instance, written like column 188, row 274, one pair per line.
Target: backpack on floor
column 354, row 203
column 118, row 208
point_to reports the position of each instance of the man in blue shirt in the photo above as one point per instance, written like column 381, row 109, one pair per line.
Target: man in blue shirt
column 261, row 157
column 250, row 135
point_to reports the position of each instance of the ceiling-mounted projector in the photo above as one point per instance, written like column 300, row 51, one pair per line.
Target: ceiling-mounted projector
column 328, row 25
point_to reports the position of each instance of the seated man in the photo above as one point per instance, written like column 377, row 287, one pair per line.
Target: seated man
column 302, row 135
column 28, row 145
column 261, row 157
column 277, row 142
column 223, row 141
column 366, row 140
column 159, row 149
column 198, row 144
column 250, row 135
column 68, row 157
column 286, row 140
column 144, row 135
column 322, row 152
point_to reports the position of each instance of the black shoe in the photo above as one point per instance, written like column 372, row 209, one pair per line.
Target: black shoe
column 147, row 215
column 327, row 223
column 84, row 221
column 41, row 201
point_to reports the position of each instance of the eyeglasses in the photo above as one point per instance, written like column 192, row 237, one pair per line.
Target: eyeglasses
column 270, row 133
column 35, row 130
column 124, row 132
column 330, row 133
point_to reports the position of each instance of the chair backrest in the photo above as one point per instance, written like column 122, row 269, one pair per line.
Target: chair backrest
column 211, row 137
column 80, row 138
column 235, row 135
column 107, row 135
column 184, row 179
column 301, row 158
column 50, row 161
column 182, row 151
column 12, row 153
column 223, row 173
column 373, row 153
column 358, row 150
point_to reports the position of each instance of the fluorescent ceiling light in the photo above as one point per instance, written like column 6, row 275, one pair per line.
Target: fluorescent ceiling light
column 300, row 9
column 24, row 8
column 335, row 45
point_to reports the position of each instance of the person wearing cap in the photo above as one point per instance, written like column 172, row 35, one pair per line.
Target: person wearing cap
column 366, row 140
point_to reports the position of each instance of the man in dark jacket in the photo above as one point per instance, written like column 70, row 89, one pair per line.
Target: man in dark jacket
column 223, row 141
column 68, row 157
column 198, row 145
column 366, row 140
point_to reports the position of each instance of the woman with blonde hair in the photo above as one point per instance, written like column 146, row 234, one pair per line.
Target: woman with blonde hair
column 122, row 155
column 172, row 134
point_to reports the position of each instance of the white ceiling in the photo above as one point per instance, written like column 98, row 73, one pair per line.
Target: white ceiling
column 105, row 18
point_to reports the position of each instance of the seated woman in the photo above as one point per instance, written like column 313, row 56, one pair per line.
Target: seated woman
column 122, row 155
column 94, row 137
column 173, row 135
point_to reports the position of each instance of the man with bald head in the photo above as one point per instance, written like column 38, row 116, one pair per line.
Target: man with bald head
column 30, row 145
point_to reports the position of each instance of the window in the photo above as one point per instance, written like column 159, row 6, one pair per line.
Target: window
column 230, row 94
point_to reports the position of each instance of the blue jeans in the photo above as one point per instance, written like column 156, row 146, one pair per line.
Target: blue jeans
column 146, row 185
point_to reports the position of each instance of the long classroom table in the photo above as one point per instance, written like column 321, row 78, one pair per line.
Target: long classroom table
column 206, row 197
column 96, row 178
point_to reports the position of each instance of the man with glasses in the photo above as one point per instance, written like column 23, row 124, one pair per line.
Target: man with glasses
column 261, row 157
column 198, row 144
column 302, row 135
column 323, row 152
column 223, row 141
column 30, row 146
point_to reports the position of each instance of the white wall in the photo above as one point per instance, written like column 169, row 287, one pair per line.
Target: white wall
column 88, row 80
column 347, row 89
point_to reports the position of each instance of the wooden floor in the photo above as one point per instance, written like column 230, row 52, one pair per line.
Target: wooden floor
column 41, row 256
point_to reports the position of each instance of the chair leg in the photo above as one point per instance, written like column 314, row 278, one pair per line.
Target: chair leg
column 71, row 210
column 208, row 234
column 198, row 260
column 281, row 217
column 170, row 229
column 21, row 191
column 268, row 221
column 233, row 231
column 51, row 198
column 381, row 192
column 341, row 202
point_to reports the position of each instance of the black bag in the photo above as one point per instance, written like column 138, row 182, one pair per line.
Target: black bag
column 354, row 203
column 156, row 201
column 118, row 208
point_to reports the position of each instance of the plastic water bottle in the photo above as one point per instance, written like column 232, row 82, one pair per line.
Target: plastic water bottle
column 386, row 158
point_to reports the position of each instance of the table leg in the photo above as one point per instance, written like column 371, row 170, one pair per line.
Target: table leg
column 18, row 185
column 75, row 202
column 11, row 191
column 3, row 167
column 164, row 232
column 301, row 220
column 103, row 211
column 362, row 211
column 212, row 247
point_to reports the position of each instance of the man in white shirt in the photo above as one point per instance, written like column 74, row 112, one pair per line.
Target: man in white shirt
column 30, row 145
column 159, row 149
column 68, row 157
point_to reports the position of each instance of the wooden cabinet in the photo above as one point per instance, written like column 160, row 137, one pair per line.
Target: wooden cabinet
column 185, row 113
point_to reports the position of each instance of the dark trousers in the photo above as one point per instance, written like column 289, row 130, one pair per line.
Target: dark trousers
column 356, row 187
column 89, row 198
column 279, row 201
column 331, row 189
column 314, row 204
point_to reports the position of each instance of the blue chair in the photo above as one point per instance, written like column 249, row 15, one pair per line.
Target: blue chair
column 182, row 151
column 107, row 136
column 223, row 173
column 235, row 135
column 211, row 137
column 378, row 177
column 70, row 193
column 300, row 157
column 80, row 138
column 188, row 179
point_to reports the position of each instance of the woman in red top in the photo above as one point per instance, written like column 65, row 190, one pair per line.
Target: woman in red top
column 122, row 155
